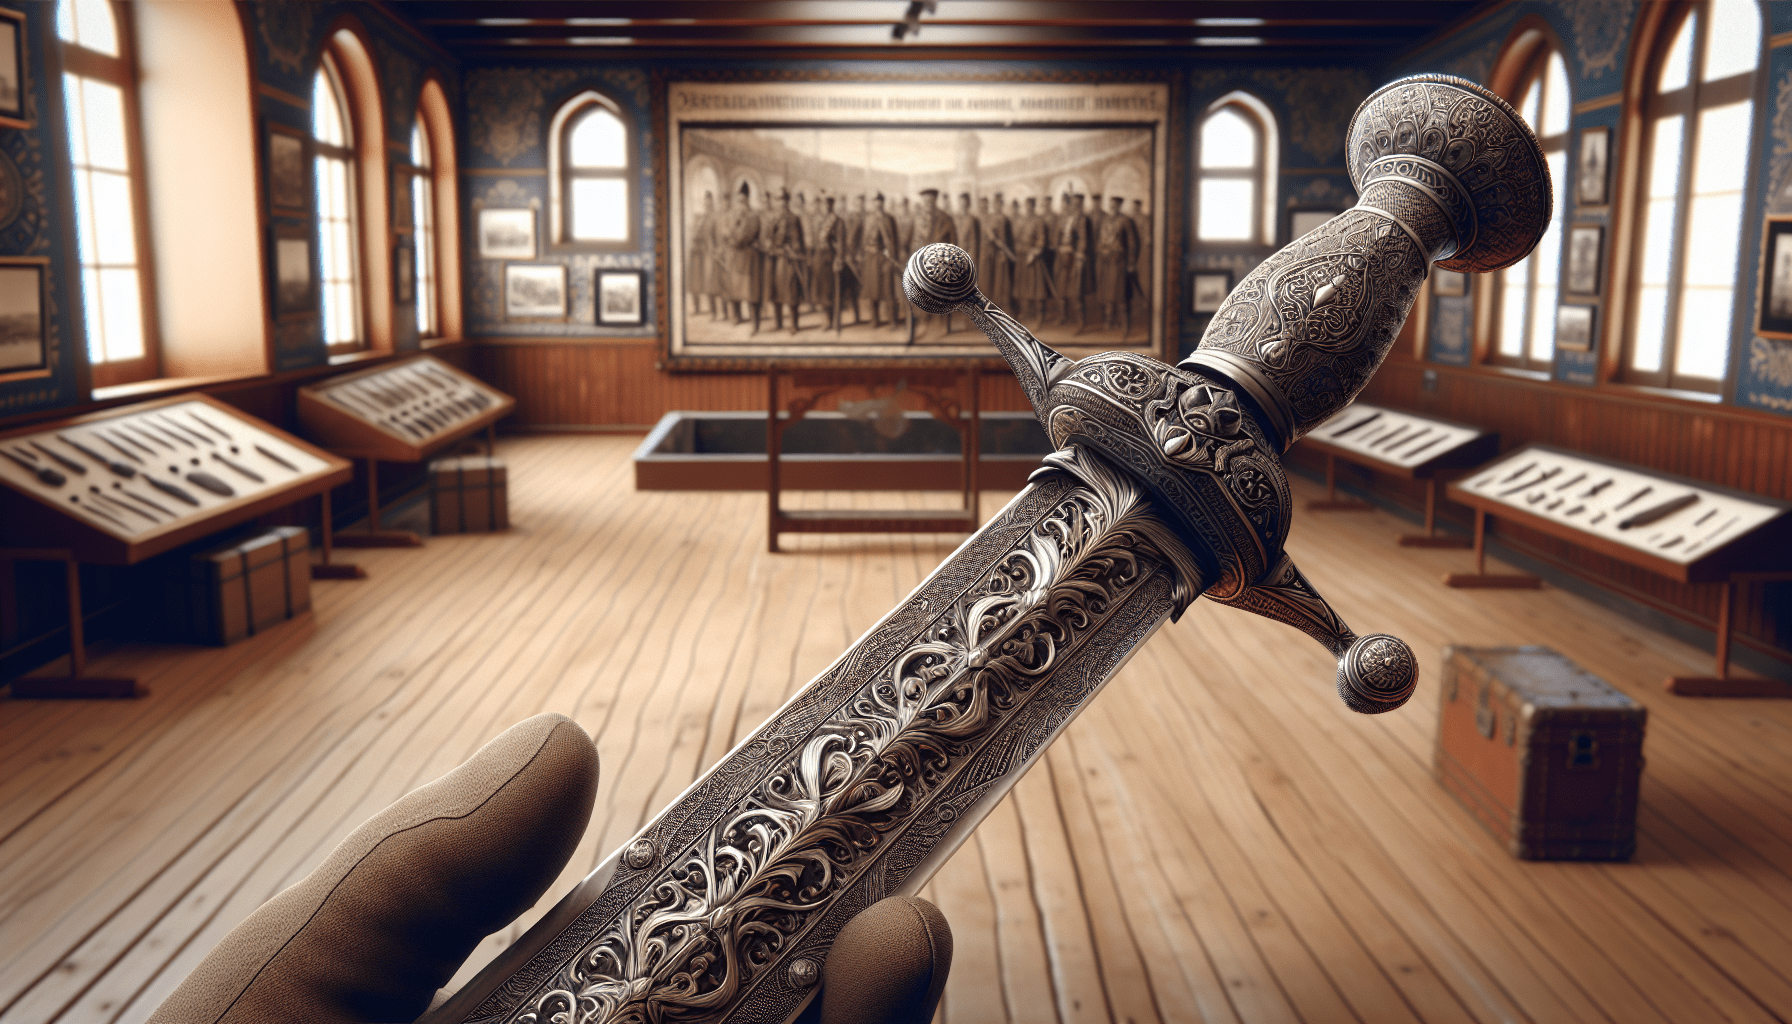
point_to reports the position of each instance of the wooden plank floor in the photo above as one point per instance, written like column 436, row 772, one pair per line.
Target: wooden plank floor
column 1217, row 839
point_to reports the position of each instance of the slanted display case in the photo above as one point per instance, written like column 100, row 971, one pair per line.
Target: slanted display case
column 118, row 486
column 399, row 412
column 1686, row 530
column 1403, row 444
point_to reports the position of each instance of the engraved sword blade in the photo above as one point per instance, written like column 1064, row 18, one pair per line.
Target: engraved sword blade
column 723, row 907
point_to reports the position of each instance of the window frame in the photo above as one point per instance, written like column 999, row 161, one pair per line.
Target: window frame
column 121, row 72
column 1526, row 61
column 329, row 65
column 1263, row 171
column 1689, row 101
column 422, row 198
column 561, row 173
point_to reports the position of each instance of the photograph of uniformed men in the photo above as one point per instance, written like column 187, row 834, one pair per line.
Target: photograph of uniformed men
column 796, row 235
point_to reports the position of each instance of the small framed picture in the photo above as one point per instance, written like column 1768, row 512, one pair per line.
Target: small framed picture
column 1448, row 283
column 12, row 68
column 1305, row 219
column 535, row 290
column 507, row 234
column 1595, row 165
column 295, row 278
column 619, row 298
column 289, row 171
column 404, row 271
column 1584, row 242
column 22, row 347
column 1209, row 289
column 1574, row 327
column 402, row 185
column 1775, row 319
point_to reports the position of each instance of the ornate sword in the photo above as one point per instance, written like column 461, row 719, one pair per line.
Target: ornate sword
column 1166, row 485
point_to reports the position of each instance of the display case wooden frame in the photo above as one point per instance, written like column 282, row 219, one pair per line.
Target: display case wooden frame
column 1760, row 549
column 353, row 428
column 40, row 516
column 1385, row 440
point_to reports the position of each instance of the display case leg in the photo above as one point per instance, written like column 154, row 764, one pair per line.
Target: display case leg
column 1430, row 538
column 376, row 537
column 1332, row 502
column 77, row 684
column 491, row 440
column 1723, row 684
column 1480, row 579
column 329, row 570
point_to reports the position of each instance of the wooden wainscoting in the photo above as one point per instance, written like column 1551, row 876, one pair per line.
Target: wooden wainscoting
column 584, row 384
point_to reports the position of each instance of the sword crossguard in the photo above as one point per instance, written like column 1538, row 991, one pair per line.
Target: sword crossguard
column 1446, row 172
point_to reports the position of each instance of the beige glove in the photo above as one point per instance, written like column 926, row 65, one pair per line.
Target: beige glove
column 385, row 921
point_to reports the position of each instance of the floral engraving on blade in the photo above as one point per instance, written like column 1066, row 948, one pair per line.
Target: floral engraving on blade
column 726, row 910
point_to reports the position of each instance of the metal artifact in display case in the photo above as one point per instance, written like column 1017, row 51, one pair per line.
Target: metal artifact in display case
column 400, row 412
column 1403, row 444
column 1686, row 530
column 1166, row 485
column 116, row 487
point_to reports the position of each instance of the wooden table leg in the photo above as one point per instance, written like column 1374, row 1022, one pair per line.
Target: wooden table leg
column 1481, row 579
column 77, row 684
column 1332, row 502
column 376, row 537
column 333, row 570
column 1723, row 684
column 1430, row 538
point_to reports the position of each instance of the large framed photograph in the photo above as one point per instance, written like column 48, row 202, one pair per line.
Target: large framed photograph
column 12, row 69
column 1305, row 219
column 289, row 170
column 1208, row 290
column 295, row 274
column 1775, row 316
column 507, row 234
column 22, row 323
column 619, row 297
column 534, row 291
column 1448, row 283
column 1595, row 167
column 1584, row 244
column 769, row 181
column 1574, row 327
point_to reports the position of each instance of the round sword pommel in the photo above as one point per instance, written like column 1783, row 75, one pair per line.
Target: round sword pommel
column 1377, row 673
column 939, row 277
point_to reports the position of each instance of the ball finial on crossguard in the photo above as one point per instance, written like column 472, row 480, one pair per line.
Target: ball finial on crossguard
column 939, row 277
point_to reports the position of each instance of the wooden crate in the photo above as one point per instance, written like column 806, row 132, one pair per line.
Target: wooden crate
column 1545, row 755
column 468, row 494
column 243, row 587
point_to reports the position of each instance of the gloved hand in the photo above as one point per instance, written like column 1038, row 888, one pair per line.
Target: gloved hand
column 385, row 921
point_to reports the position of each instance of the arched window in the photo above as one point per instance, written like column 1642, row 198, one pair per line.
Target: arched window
column 1698, row 115
column 1235, row 191
column 593, row 165
column 1525, row 293
column 99, row 84
column 423, row 215
column 338, row 221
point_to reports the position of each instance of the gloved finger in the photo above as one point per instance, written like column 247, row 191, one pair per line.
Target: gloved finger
column 888, row 965
column 390, row 915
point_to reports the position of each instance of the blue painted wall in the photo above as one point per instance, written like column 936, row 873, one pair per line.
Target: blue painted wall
column 44, row 223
